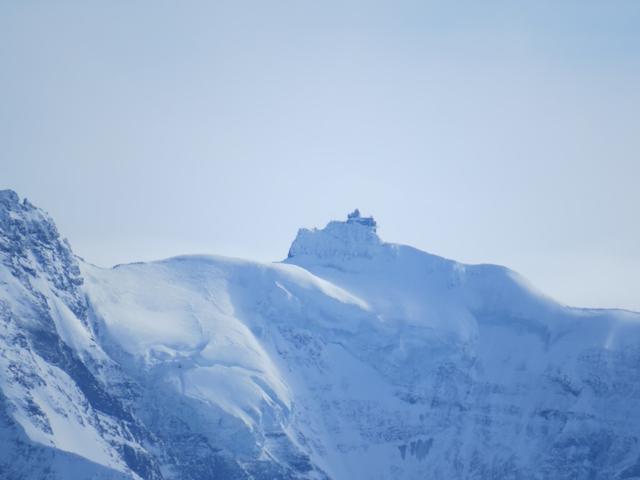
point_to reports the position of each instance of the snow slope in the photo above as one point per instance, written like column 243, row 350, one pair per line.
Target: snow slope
column 353, row 358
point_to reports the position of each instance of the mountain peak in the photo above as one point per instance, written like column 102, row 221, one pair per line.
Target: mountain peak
column 8, row 197
column 10, row 200
column 355, row 237
column 30, row 244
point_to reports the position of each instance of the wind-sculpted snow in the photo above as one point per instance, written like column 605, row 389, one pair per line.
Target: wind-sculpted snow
column 353, row 358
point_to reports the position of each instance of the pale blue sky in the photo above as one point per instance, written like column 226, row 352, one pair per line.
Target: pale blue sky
column 503, row 132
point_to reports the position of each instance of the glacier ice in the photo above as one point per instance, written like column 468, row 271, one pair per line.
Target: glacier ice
column 352, row 358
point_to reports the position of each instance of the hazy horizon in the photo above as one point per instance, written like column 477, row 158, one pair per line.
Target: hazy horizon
column 486, row 133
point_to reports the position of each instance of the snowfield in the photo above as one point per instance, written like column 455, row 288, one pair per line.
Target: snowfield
column 351, row 359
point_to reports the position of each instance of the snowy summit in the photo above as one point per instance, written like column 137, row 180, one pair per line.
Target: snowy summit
column 353, row 358
column 355, row 237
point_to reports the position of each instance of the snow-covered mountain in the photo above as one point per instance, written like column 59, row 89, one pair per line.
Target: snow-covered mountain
column 351, row 359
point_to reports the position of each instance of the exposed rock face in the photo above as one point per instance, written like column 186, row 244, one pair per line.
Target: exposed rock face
column 64, row 402
column 352, row 359
column 67, row 409
column 338, row 240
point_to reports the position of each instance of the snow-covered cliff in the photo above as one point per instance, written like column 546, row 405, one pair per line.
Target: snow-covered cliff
column 353, row 358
